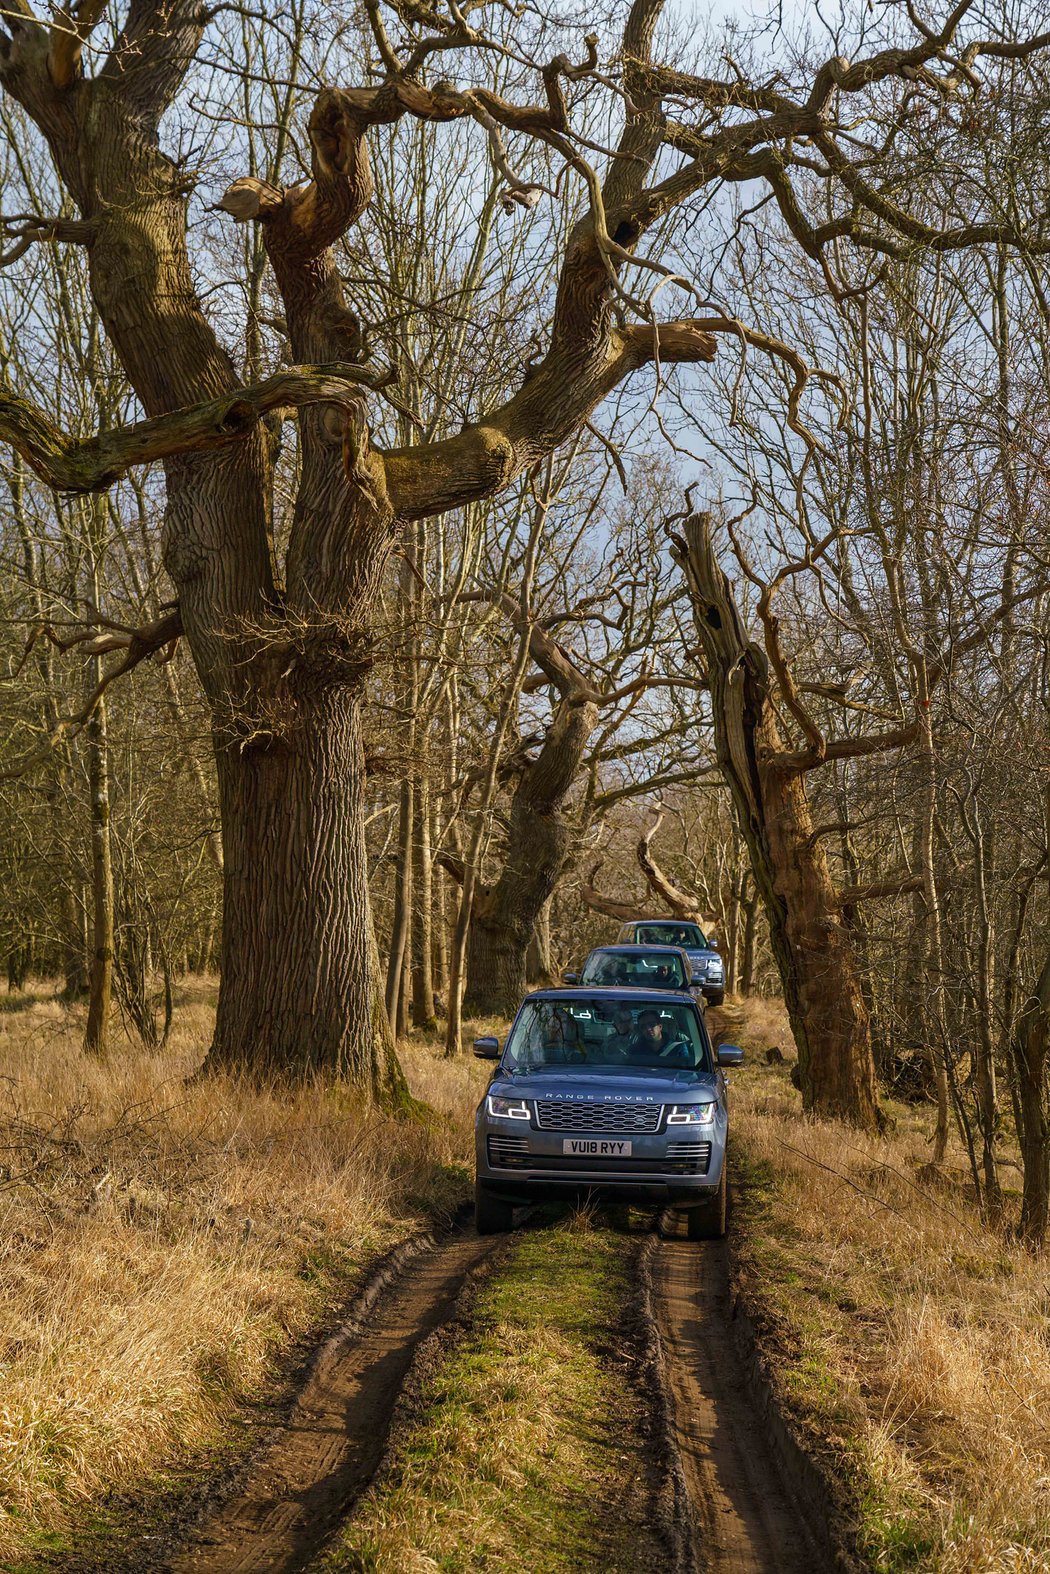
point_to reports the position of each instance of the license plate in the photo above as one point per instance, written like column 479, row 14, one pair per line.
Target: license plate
column 595, row 1148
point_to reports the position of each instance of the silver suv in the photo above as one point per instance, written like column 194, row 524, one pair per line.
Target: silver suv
column 609, row 1091
column 709, row 973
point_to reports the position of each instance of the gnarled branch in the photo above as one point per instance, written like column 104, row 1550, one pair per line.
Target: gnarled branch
column 92, row 464
column 69, row 33
column 675, row 901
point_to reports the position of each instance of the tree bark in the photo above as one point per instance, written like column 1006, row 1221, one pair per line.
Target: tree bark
column 295, row 890
column 100, row 989
column 934, row 1010
column 100, row 981
column 539, row 966
column 423, row 1013
column 505, row 915
column 399, row 926
column 818, row 972
column 747, row 965
column 1031, row 1052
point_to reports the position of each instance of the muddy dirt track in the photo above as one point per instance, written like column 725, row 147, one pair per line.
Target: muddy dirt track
column 320, row 1462
column 744, row 1520
column 738, row 1517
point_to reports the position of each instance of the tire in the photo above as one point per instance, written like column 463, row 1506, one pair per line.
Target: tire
column 716, row 997
column 492, row 1216
column 709, row 1222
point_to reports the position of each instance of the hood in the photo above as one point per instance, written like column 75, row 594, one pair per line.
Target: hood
column 604, row 1085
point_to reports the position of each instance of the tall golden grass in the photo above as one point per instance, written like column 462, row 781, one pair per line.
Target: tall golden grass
column 922, row 1333
column 161, row 1243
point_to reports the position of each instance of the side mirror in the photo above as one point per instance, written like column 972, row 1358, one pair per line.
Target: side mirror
column 570, row 978
column 486, row 1048
column 713, row 945
column 730, row 1055
column 698, row 978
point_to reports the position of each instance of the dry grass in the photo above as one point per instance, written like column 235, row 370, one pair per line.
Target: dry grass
column 161, row 1244
column 910, row 1331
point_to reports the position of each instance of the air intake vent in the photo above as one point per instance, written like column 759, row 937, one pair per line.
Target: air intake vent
column 508, row 1152
column 696, row 1154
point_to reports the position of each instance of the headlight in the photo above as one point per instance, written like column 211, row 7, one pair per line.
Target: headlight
column 509, row 1109
column 690, row 1114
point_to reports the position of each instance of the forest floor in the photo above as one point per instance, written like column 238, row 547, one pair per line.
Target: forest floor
column 244, row 1330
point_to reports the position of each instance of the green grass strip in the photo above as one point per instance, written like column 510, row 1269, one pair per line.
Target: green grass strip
column 523, row 1446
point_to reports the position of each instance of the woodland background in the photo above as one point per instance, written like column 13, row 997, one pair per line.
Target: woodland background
column 881, row 521
column 759, row 632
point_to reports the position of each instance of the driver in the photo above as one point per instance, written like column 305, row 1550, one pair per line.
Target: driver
column 654, row 1038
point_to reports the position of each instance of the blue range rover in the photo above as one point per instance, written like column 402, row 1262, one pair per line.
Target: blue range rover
column 608, row 1091
column 709, row 972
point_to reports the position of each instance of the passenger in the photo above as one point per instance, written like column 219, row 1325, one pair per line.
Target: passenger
column 560, row 1041
column 618, row 1045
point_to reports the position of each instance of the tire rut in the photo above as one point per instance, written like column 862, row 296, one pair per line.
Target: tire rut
column 325, row 1455
column 745, row 1519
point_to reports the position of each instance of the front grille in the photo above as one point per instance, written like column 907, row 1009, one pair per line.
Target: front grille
column 508, row 1152
column 567, row 1115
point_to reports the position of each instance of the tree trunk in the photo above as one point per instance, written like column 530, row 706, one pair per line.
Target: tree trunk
column 423, row 1012
column 933, row 993
column 747, row 964
column 539, row 968
column 100, row 993
column 983, row 980
column 505, row 914
column 399, row 927
column 853, row 918
column 731, row 946
column 440, row 934
column 810, row 944
column 1031, row 1050
column 296, row 992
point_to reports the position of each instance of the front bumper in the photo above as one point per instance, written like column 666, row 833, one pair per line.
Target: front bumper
column 682, row 1167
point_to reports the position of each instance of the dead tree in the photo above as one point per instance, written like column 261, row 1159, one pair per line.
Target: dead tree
column 767, row 780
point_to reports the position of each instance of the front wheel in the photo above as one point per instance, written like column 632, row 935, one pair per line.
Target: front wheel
column 708, row 1223
column 716, row 997
column 492, row 1216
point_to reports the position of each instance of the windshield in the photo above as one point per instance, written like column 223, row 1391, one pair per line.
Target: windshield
column 670, row 934
column 654, row 970
column 603, row 1032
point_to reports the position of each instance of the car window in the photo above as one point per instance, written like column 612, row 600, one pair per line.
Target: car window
column 604, row 1032
column 656, row 970
column 669, row 933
